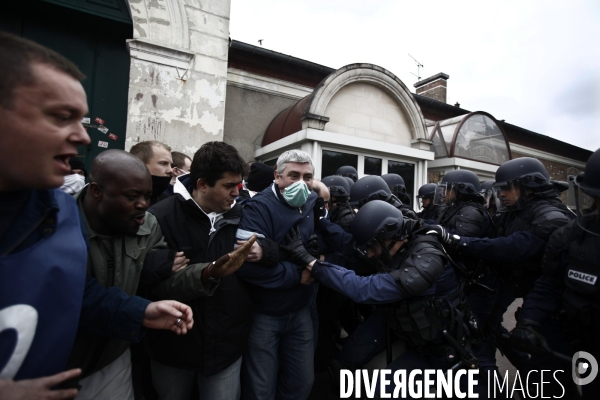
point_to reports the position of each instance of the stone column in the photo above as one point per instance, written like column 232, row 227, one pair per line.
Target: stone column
column 178, row 72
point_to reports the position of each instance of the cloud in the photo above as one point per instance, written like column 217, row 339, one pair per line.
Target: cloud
column 534, row 63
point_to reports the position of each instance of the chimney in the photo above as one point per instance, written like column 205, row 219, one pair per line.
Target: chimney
column 433, row 87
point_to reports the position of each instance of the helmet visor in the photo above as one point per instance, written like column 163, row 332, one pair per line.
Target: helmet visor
column 489, row 197
column 440, row 193
column 447, row 193
column 588, row 214
column 510, row 195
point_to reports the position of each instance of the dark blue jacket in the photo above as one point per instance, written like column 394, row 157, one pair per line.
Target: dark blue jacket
column 276, row 291
column 50, row 217
column 378, row 288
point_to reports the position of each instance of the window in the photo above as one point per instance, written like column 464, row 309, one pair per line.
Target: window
column 332, row 160
column 406, row 171
column 372, row 166
column 475, row 136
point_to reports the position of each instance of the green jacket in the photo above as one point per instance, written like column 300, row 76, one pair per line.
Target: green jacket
column 93, row 352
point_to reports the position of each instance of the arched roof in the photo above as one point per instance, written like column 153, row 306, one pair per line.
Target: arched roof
column 286, row 122
column 309, row 112
column 476, row 136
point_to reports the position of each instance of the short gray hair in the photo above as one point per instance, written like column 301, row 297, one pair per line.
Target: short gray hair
column 297, row 156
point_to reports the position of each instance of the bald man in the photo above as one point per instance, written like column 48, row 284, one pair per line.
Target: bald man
column 126, row 246
column 322, row 191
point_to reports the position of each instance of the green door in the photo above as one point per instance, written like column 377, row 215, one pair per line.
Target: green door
column 95, row 40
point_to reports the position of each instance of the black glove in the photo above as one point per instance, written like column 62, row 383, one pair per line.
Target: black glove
column 319, row 210
column 445, row 237
column 295, row 248
column 526, row 337
column 312, row 246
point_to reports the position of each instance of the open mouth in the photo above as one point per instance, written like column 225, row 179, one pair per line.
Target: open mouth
column 139, row 219
column 63, row 162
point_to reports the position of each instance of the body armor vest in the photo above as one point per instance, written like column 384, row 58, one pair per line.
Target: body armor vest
column 581, row 298
column 433, row 212
column 468, row 219
column 525, row 272
column 407, row 212
column 420, row 320
column 342, row 215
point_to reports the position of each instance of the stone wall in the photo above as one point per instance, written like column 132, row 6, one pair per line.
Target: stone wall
column 434, row 177
column 248, row 114
column 366, row 111
column 178, row 75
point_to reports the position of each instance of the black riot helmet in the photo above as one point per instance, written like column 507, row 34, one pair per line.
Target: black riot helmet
column 349, row 180
column 518, row 177
column 587, row 194
column 427, row 191
column 397, row 186
column 432, row 192
column 369, row 188
column 348, row 171
column 376, row 222
column 464, row 183
column 338, row 187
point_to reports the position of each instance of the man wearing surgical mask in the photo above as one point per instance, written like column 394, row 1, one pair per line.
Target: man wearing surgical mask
column 278, row 362
column 76, row 180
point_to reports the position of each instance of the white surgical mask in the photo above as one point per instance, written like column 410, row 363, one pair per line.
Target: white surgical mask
column 73, row 183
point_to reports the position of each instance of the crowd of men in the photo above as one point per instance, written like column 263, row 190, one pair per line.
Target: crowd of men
column 155, row 275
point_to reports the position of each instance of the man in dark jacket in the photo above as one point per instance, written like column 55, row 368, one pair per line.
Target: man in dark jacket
column 432, row 204
column 532, row 212
column 279, row 359
column 562, row 312
column 425, row 303
column 201, row 220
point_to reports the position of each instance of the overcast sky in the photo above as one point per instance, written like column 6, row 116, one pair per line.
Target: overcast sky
column 533, row 63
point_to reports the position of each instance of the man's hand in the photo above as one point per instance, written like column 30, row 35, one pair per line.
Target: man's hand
column 256, row 252
column 445, row 237
column 319, row 210
column 306, row 279
column 34, row 389
column 180, row 262
column 294, row 248
column 169, row 314
column 229, row 263
column 526, row 337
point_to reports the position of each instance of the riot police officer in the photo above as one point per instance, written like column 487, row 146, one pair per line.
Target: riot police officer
column 432, row 204
column 340, row 211
column 373, row 187
column 396, row 184
column 466, row 215
column 568, row 291
column 464, row 212
column 489, row 196
column 426, row 305
column 531, row 213
column 347, row 171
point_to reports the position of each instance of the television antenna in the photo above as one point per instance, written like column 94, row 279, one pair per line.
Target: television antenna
column 419, row 66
